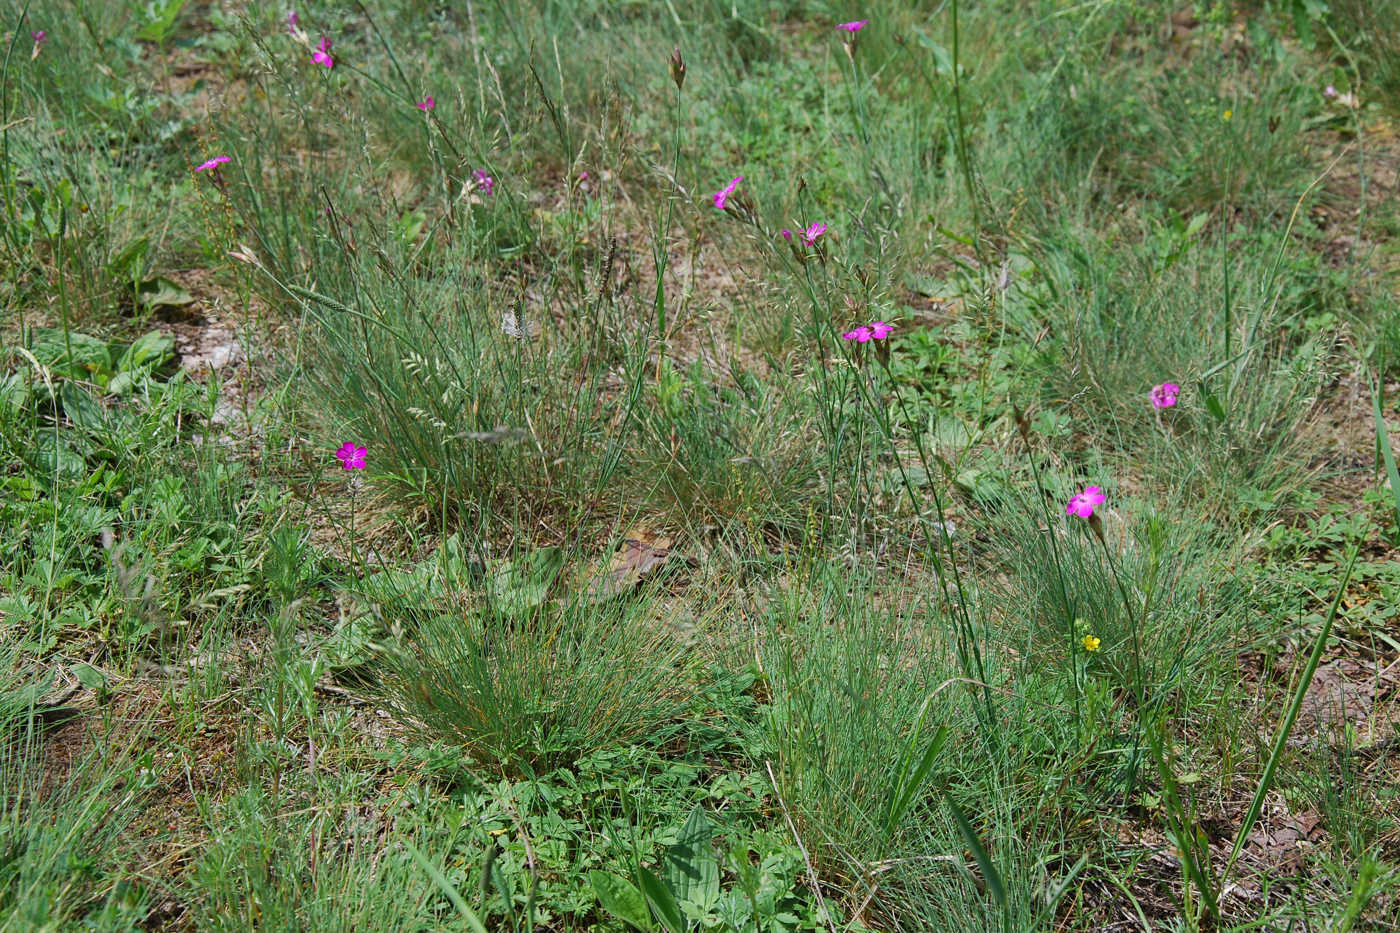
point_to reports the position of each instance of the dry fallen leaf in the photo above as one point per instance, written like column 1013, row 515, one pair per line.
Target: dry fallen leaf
column 641, row 554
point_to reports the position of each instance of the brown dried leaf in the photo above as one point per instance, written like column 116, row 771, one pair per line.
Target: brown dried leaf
column 641, row 554
column 1283, row 843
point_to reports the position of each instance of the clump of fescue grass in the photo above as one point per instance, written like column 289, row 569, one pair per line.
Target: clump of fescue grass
column 65, row 813
column 526, row 683
column 1249, row 386
column 1369, row 32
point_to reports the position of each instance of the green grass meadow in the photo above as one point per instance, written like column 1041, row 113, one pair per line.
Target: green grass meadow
column 641, row 465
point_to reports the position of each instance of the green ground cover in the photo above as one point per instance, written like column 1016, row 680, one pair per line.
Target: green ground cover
column 761, row 465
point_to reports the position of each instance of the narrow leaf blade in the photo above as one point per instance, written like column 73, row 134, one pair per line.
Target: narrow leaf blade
column 984, row 861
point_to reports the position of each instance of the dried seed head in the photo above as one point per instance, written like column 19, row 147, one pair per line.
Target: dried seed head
column 677, row 67
column 1096, row 526
column 1023, row 424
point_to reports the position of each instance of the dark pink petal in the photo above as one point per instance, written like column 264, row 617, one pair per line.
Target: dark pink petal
column 1082, row 504
column 722, row 195
column 322, row 55
column 1164, row 395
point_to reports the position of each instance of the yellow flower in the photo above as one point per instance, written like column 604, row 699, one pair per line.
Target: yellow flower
column 1228, row 115
column 1091, row 643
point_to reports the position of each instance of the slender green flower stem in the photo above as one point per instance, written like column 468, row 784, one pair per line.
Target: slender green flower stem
column 967, row 645
column 1075, row 672
column 1150, row 727
column 964, row 161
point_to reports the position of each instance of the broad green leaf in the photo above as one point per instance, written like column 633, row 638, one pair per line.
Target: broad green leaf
column 151, row 349
column 662, row 902
column 691, row 868
column 89, row 676
column 1214, row 407
column 77, row 355
column 523, row 584
column 620, row 898
column 129, row 262
column 19, row 389
column 80, row 408
column 160, row 292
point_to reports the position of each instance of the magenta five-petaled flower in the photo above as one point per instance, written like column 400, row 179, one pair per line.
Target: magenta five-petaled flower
column 483, row 181
column 854, row 26
column 812, row 232
column 39, row 37
column 1164, row 395
column 322, row 55
column 212, row 163
column 867, row 332
column 1082, row 504
column 722, row 195
column 426, row 103
column 351, row 457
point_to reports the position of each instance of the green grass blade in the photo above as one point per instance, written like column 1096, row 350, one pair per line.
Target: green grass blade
column 984, row 861
column 473, row 921
column 904, row 790
column 1267, row 779
column 1181, row 825
column 1387, row 454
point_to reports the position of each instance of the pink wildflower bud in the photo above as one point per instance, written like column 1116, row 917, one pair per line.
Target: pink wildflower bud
column 426, row 103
